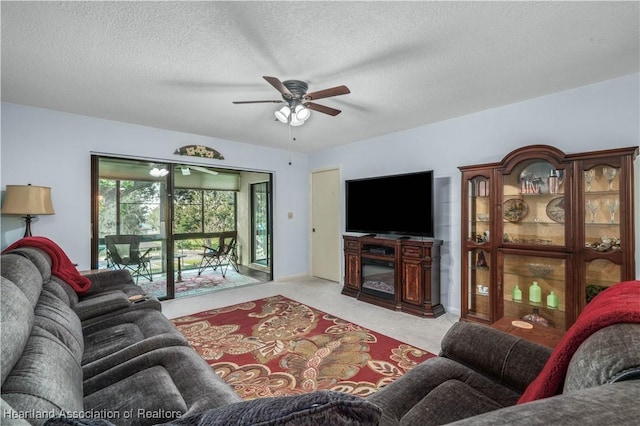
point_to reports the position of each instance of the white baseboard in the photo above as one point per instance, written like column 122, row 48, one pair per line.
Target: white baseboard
column 292, row 278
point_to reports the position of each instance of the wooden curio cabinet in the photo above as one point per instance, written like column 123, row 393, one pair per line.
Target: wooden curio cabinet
column 543, row 232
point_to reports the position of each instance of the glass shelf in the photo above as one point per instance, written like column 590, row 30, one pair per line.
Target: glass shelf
column 533, row 207
column 523, row 276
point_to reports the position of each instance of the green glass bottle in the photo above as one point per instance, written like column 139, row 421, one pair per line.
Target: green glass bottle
column 552, row 300
column 535, row 293
column 517, row 294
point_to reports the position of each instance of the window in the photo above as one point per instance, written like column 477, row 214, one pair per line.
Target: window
column 129, row 207
column 204, row 211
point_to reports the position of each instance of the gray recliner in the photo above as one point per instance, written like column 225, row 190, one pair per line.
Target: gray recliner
column 481, row 373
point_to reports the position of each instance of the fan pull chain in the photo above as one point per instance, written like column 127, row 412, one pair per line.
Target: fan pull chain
column 290, row 143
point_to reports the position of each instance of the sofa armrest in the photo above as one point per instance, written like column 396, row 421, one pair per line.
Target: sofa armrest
column 102, row 304
column 613, row 404
column 108, row 280
column 510, row 360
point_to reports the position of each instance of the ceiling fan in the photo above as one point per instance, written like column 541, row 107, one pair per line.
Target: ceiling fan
column 294, row 94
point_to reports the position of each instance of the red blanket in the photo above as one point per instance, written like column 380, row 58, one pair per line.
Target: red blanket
column 617, row 304
column 61, row 265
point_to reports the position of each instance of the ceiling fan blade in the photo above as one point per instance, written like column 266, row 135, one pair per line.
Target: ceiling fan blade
column 322, row 108
column 275, row 82
column 257, row 102
column 327, row 93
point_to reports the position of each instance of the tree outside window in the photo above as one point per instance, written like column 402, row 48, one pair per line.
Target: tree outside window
column 201, row 211
column 137, row 211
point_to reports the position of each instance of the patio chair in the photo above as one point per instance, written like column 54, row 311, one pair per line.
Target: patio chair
column 123, row 252
column 222, row 256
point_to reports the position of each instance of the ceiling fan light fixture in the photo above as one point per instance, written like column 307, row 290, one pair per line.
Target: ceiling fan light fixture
column 302, row 113
column 282, row 115
column 295, row 121
column 156, row 172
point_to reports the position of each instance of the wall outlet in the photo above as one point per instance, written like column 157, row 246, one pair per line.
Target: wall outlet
column 290, row 215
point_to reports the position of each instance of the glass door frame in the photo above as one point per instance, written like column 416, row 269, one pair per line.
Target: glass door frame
column 168, row 235
column 166, row 202
column 267, row 228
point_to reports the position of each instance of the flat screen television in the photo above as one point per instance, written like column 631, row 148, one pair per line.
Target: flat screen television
column 395, row 204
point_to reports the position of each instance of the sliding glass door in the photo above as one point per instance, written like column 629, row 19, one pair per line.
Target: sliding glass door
column 204, row 207
column 162, row 221
column 130, row 220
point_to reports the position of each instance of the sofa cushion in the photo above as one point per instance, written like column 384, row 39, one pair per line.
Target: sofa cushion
column 159, row 385
column 109, row 294
column 450, row 401
column 117, row 279
column 57, row 318
column 614, row 404
column 39, row 258
column 510, row 360
column 100, row 304
column 119, row 338
column 16, row 320
column 61, row 290
column 608, row 355
column 414, row 388
column 24, row 274
column 314, row 408
column 46, row 378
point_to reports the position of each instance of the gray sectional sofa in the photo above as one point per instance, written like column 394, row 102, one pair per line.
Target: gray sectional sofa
column 99, row 359
column 94, row 355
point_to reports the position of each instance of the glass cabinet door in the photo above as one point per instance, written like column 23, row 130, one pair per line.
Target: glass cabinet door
column 602, row 228
column 600, row 274
column 534, row 289
column 533, row 205
column 478, row 284
column 479, row 207
column 602, row 209
column 478, row 291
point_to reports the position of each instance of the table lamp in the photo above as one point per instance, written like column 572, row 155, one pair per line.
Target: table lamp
column 27, row 200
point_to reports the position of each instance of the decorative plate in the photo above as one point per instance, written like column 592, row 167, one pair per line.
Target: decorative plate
column 522, row 324
column 538, row 173
column 199, row 151
column 555, row 209
column 515, row 209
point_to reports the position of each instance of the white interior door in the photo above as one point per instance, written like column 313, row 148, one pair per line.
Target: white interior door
column 325, row 223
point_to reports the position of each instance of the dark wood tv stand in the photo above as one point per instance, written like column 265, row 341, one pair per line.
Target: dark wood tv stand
column 396, row 273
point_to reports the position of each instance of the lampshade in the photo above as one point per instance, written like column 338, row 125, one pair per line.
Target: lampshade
column 295, row 122
column 302, row 113
column 27, row 200
column 283, row 114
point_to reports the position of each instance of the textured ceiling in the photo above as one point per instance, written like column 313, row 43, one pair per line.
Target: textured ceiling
column 179, row 65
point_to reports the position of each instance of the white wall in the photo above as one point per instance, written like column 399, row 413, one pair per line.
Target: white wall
column 599, row 116
column 49, row 148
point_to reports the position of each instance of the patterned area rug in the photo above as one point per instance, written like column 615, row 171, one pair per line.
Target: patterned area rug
column 193, row 284
column 277, row 346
